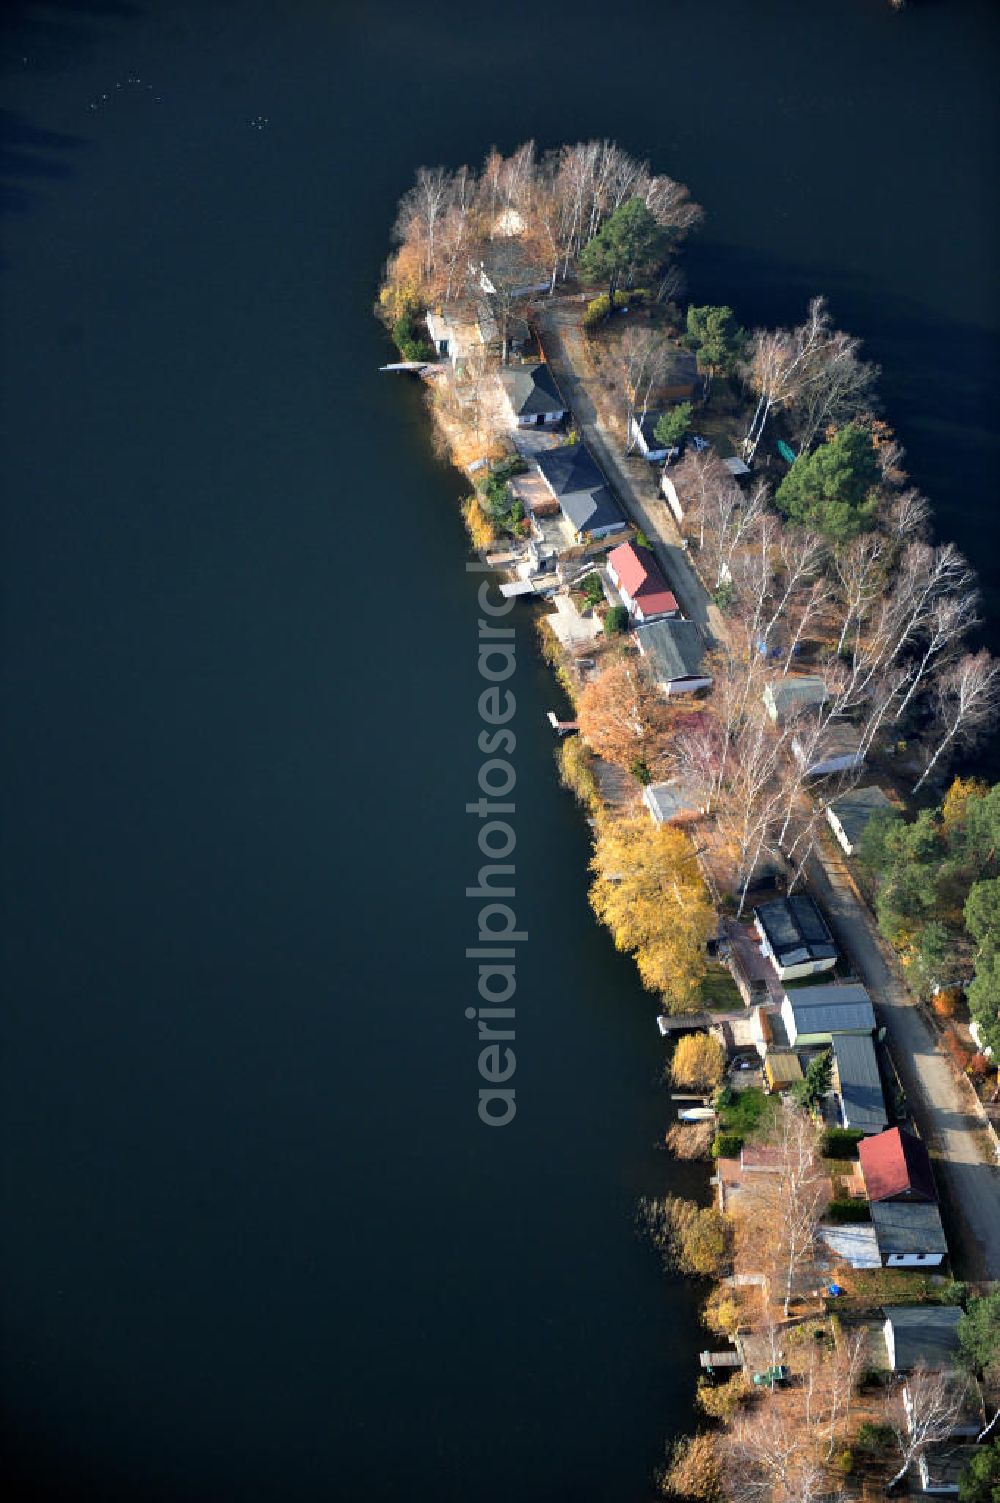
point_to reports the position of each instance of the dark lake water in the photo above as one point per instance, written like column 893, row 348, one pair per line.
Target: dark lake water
column 257, row 1244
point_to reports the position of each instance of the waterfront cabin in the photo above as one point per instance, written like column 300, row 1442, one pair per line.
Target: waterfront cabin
column 584, row 498
column 921, row 1336
column 836, row 747
column 674, row 650
column 849, row 814
column 857, row 1083
column 794, row 936
column 908, row 1236
column 635, row 575
column 531, row 396
column 815, row 1014
column 791, row 696
column 896, row 1166
column 455, row 332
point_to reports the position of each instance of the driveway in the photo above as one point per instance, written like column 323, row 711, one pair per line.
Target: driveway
column 941, row 1103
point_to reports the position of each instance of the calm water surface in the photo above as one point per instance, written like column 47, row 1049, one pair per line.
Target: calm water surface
column 256, row 1243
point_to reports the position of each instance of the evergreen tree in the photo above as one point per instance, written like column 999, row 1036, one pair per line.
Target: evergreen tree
column 834, row 489
column 629, row 241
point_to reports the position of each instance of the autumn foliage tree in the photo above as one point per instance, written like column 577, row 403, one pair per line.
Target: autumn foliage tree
column 649, row 891
column 621, row 714
column 699, row 1062
column 693, row 1470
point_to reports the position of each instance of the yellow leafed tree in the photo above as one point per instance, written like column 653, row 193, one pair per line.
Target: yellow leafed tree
column 650, row 893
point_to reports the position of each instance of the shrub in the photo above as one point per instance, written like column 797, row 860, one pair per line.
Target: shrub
column 481, row 529
column 848, row 1210
column 640, row 771
column 876, row 1438
column 599, row 308
column 944, row 1004
column 840, row 1143
column 690, row 1140
column 721, row 1400
column 576, row 771
column 615, row 621
column 641, row 540
column 979, row 1066
column 727, row 1145
column 593, row 589
column 408, row 342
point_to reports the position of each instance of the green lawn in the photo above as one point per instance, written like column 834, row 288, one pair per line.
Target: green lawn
column 718, row 991
column 751, row 1112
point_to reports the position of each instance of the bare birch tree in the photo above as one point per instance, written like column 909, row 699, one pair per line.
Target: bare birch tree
column 923, row 1413
column 967, row 699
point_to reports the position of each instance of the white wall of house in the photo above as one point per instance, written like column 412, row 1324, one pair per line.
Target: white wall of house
column 638, row 438
column 684, row 685
column 673, row 500
column 914, row 1260
column 839, row 831
column 536, row 419
column 792, row 972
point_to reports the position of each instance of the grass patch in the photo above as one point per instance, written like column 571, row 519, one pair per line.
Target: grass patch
column 718, row 991
column 896, row 1286
column 745, row 1114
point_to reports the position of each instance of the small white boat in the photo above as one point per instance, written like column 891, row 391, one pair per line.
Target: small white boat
column 696, row 1114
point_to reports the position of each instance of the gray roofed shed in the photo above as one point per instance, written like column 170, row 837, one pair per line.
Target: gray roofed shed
column 675, row 648
column 903, row 1228
column 816, row 1013
column 925, row 1334
column 860, row 1085
column 849, row 814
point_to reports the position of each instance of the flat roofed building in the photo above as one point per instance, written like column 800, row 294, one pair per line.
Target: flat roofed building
column 794, row 935
column 814, row 1014
column 781, row 1069
column 671, row 803
column 836, row 748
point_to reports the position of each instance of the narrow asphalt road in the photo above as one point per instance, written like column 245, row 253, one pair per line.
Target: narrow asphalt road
column 941, row 1103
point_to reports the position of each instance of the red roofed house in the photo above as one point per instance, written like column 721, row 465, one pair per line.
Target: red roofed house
column 639, row 582
column 896, row 1166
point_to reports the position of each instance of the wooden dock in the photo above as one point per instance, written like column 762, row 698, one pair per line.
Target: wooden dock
column 562, row 727
column 712, row 1360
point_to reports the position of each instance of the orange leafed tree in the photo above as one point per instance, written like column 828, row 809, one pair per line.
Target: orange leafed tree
column 622, row 715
